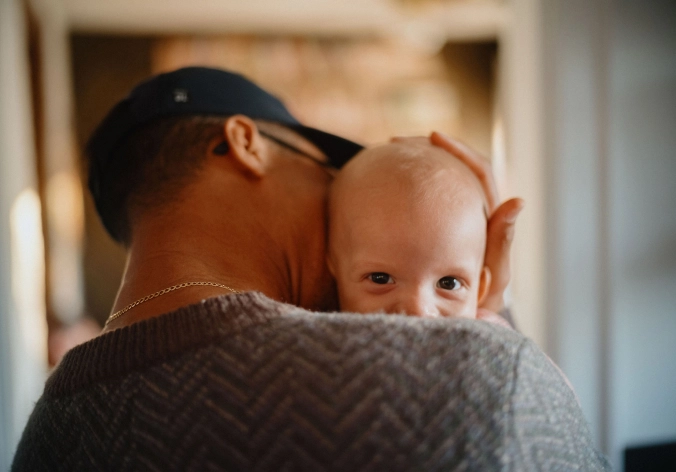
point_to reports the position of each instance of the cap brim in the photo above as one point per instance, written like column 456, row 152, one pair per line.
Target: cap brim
column 338, row 150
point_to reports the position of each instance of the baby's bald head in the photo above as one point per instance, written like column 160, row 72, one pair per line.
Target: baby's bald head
column 405, row 202
column 415, row 169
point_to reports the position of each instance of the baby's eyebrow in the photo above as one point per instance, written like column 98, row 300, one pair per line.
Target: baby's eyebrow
column 371, row 266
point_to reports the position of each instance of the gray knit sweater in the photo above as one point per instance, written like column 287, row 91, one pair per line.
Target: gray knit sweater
column 241, row 382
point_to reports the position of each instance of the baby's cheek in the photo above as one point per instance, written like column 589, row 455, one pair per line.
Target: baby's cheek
column 472, row 303
column 470, row 312
column 458, row 309
column 350, row 299
column 358, row 300
column 472, row 306
column 356, row 305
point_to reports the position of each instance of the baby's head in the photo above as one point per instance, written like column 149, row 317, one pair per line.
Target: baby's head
column 408, row 233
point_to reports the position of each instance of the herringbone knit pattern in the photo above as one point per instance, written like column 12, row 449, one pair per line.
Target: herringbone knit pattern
column 245, row 383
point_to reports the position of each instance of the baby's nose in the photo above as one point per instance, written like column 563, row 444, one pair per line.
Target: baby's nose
column 418, row 304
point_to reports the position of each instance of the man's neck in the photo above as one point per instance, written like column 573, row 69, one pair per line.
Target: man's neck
column 163, row 256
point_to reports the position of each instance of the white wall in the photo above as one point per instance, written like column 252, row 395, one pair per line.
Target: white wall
column 520, row 61
column 22, row 316
column 642, row 223
column 572, row 99
column 610, row 119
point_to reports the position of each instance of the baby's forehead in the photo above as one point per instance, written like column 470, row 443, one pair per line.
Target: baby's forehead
column 417, row 168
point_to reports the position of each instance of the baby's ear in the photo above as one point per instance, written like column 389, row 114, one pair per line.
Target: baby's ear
column 484, row 284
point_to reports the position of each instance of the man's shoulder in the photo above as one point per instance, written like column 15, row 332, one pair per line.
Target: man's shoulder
column 265, row 378
column 396, row 337
column 222, row 322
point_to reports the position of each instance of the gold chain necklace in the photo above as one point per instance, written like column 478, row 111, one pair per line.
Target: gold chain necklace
column 164, row 291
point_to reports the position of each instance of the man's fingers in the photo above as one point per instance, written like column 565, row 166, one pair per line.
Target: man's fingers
column 498, row 244
column 491, row 317
column 475, row 161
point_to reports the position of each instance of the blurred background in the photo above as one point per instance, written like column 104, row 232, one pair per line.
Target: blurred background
column 574, row 102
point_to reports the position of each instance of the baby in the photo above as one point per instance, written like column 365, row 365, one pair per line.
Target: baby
column 407, row 233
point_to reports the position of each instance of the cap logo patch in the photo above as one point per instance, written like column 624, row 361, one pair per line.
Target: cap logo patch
column 180, row 95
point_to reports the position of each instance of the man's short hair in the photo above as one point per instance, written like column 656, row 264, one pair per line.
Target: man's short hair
column 150, row 168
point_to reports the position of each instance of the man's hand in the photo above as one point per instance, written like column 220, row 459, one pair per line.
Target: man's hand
column 490, row 317
column 501, row 222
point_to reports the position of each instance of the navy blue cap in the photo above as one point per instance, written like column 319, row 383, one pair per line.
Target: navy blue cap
column 203, row 91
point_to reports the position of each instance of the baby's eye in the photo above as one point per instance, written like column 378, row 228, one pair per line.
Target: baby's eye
column 449, row 283
column 381, row 278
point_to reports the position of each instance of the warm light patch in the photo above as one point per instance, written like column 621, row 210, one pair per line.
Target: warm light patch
column 65, row 215
column 28, row 271
column 64, row 194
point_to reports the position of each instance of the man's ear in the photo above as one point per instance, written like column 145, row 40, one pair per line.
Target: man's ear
column 484, row 284
column 246, row 145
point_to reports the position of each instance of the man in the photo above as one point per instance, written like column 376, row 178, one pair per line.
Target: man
column 219, row 195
